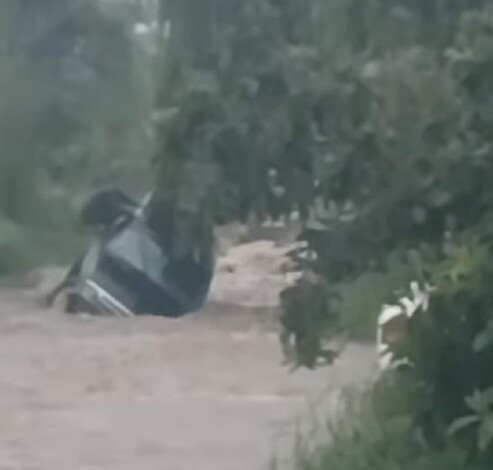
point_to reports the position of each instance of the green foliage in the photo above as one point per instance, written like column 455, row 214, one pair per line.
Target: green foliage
column 13, row 243
column 481, row 403
column 449, row 345
column 370, row 434
column 417, row 182
column 362, row 299
column 75, row 100
column 373, row 120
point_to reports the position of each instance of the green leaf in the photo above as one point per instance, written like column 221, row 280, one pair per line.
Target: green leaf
column 480, row 402
column 462, row 423
column 485, row 437
column 474, row 402
column 484, row 339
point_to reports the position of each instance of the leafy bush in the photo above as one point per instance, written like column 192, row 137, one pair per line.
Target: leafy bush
column 373, row 120
column 75, row 100
column 416, row 182
column 450, row 349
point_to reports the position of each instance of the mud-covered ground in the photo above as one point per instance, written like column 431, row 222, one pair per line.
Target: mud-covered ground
column 207, row 392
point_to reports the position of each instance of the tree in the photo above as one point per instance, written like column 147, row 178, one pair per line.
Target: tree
column 373, row 121
column 74, row 109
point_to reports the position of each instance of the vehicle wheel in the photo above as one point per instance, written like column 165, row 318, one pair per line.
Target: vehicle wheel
column 73, row 304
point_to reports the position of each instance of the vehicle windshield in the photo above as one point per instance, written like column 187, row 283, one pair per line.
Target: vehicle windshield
column 136, row 247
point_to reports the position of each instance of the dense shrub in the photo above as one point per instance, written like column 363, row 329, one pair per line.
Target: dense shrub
column 75, row 101
column 373, row 120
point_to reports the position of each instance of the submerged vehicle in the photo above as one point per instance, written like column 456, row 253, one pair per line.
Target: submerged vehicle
column 128, row 272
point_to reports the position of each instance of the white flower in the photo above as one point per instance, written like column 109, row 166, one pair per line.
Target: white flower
column 406, row 306
column 420, row 298
column 389, row 312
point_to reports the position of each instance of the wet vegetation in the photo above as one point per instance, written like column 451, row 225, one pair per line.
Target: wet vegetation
column 373, row 121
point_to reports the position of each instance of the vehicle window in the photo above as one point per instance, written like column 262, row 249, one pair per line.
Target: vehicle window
column 137, row 248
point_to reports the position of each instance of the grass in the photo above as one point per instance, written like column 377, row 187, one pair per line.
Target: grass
column 363, row 297
column 365, row 437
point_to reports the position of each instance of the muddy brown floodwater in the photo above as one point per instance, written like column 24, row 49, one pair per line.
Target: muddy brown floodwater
column 207, row 392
